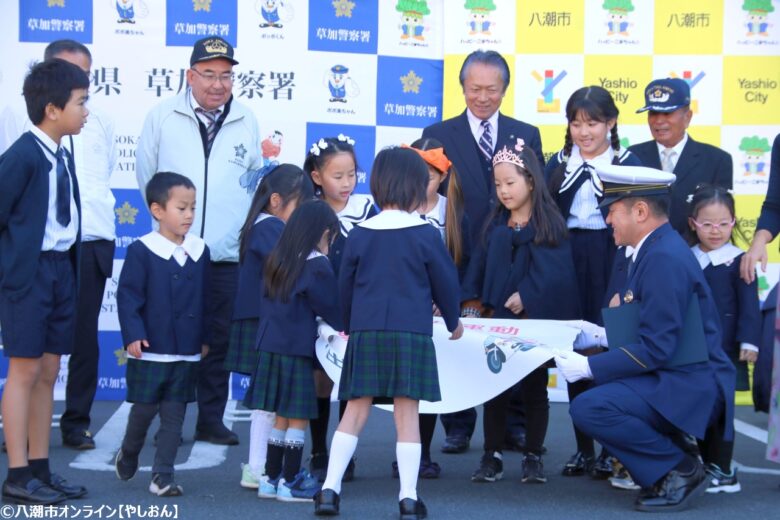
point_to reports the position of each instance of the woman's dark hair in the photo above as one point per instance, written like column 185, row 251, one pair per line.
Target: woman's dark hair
column 454, row 212
column 596, row 103
column 705, row 195
column 399, row 178
column 51, row 81
column 158, row 189
column 289, row 182
column 300, row 237
column 319, row 160
column 545, row 216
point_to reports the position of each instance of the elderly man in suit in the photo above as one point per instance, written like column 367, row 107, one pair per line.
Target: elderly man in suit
column 667, row 103
column 470, row 140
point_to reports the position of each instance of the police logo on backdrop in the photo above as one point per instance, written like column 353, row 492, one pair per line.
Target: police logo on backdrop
column 340, row 84
column 365, row 146
column 343, row 26
column 111, row 383
column 547, row 102
column 49, row 20
column 132, row 219
column 274, row 13
column 128, row 14
column 187, row 21
column 408, row 92
column 413, row 14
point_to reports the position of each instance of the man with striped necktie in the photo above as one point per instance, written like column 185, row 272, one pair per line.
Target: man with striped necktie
column 469, row 140
column 205, row 134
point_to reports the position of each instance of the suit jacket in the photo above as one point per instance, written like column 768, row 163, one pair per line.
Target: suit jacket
column 698, row 163
column 770, row 210
column 479, row 195
column 24, row 203
column 664, row 277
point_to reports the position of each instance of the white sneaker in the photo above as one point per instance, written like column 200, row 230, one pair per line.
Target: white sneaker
column 623, row 480
column 248, row 479
column 721, row 482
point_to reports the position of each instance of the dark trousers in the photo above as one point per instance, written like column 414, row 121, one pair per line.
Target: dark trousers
column 213, row 378
column 168, row 436
column 97, row 260
column 632, row 430
column 593, row 252
column 464, row 421
column 533, row 388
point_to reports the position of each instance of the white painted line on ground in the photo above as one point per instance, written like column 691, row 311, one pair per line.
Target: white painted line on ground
column 109, row 438
column 754, row 432
column 751, row 469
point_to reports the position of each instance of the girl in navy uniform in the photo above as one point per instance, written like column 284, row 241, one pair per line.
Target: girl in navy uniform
column 279, row 193
column 712, row 224
column 522, row 269
column 298, row 286
column 161, row 305
column 394, row 266
column 446, row 215
column 591, row 139
column 332, row 166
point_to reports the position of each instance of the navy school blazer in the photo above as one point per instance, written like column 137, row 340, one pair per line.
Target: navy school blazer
column 262, row 238
column 290, row 328
column 163, row 302
column 389, row 277
column 24, row 203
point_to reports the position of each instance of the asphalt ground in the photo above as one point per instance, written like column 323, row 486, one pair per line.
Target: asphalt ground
column 210, row 476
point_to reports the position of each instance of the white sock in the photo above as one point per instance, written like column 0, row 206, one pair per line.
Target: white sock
column 259, row 429
column 342, row 447
column 408, row 455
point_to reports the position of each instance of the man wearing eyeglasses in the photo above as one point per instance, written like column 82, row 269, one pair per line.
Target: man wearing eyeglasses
column 205, row 134
column 667, row 103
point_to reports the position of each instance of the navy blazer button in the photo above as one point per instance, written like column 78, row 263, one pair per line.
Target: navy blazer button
column 190, row 315
column 176, row 277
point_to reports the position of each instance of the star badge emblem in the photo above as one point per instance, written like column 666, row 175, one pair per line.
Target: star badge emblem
column 240, row 151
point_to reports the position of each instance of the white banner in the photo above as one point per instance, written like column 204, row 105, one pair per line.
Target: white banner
column 491, row 356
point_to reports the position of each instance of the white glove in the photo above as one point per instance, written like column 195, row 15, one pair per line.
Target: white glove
column 573, row 366
column 591, row 335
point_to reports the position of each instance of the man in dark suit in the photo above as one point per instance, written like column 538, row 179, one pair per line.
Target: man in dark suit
column 469, row 141
column 651, row 390
column 667, row 103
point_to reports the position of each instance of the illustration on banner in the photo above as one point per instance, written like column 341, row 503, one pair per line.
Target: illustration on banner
column 498, row 350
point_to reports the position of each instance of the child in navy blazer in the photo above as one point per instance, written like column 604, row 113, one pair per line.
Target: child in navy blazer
column 591, row 139
column 40, row 223
column 712, row 222
column 394, row 266
column 522, row 269
column 332, row 166
column 161, row 306
column 299, row 285
column 280, row 191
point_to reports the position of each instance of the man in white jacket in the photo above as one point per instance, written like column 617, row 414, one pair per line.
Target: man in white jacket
column 205, row 134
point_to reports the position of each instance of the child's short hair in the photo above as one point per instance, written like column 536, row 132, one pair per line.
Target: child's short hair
column 159, row 187
column 399, row 178
column 51, row 81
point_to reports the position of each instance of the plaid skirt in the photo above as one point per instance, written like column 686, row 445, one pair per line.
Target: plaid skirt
column 284, row 385
column 241, row 355
column 387, row 364
column 153, row 381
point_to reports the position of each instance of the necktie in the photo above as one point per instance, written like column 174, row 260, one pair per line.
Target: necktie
column 630, row 267
column 211, row 127
column 667, row 161
column 486, row 140
column 63, row 189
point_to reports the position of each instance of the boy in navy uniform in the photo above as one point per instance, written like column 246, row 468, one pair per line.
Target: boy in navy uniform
column 39, row 236
column 161, row 304
column 642, row 400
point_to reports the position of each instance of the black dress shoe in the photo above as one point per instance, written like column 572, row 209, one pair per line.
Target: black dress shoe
column 455, row 444
column 35, row 492
column 326, row 503
column 412, row 509
column 602, row 468
column 579, row 464
column 78, row 440
column 675, row 492
column 70, row 491
column 216, row 434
